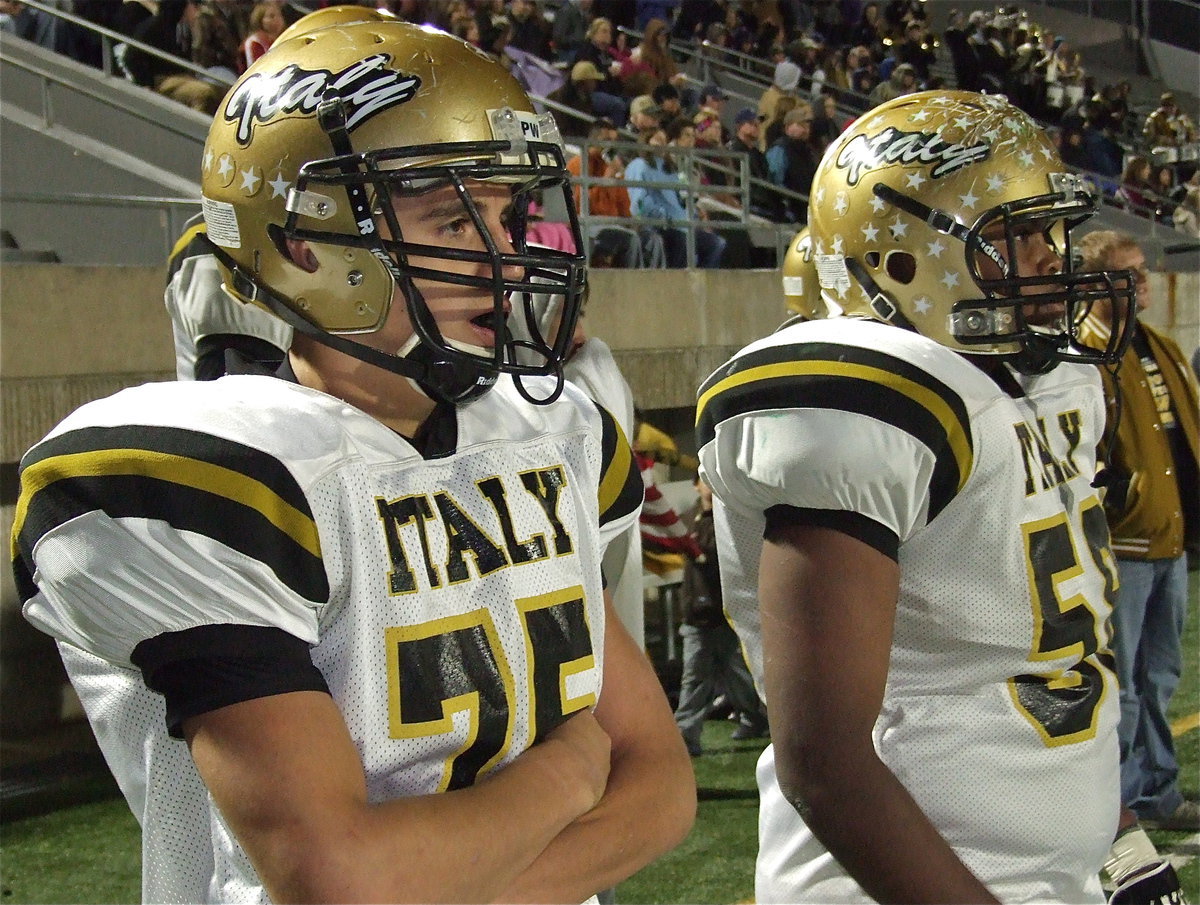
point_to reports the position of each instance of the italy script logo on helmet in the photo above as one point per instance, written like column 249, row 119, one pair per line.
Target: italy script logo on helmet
column 367, row 87
column 892, row 145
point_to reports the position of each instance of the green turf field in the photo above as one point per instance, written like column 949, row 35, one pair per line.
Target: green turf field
column 90, row 852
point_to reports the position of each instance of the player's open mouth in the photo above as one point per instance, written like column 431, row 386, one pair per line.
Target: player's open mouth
column 486, row 325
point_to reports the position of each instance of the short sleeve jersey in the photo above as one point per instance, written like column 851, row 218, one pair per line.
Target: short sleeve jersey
column 1000, row 708
column 453, row 605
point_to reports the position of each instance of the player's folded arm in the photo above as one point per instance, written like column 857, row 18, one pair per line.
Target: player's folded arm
column 288, row 780
column 649, row 804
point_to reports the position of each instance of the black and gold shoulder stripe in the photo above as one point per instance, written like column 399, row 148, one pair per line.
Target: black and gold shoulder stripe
column 188, row 245
column 621, row 487
column 851, row 379
column 236, row 495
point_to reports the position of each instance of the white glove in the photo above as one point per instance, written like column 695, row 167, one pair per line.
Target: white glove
column 1154, row 885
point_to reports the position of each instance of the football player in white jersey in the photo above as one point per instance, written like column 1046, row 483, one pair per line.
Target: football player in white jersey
column 341, row 629
column 918, row 562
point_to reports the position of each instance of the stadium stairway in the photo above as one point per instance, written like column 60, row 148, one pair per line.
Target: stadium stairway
column 92, row 135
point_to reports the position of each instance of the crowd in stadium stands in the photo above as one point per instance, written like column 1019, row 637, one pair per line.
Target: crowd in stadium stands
column 827, row 61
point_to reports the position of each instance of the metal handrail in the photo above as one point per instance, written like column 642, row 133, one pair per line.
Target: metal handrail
column 694, row 194
column 170, row 222
column 95, row 199
column 117, row 38
column 115, row 103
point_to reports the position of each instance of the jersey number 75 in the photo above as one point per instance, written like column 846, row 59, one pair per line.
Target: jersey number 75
column 454, row 665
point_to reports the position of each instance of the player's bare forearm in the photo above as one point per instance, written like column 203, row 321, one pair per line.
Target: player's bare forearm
column 828, row 606
column 288, row 780
column 646, row 811
column 895, row 854
column 649, row 804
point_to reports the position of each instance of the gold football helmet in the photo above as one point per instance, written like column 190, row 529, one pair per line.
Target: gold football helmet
column 800, row 287
column 911, row 206
column 344, row 14
column 319, row 141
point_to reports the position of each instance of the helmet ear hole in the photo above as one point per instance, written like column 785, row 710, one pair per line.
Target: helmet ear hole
column 901, row 267
column 872, row 258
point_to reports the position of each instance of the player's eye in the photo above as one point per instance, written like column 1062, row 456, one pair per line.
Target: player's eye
column 455, row 227
column 1028, row 232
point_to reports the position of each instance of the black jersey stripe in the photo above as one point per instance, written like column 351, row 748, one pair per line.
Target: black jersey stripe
column 145, row 441
column 847, row 378
column 204, row 497
column 231, row 522
column 854, row 524
column 621, row 487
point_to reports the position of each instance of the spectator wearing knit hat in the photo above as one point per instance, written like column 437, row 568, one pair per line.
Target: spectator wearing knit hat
column 793, row 162
column 712, row 99
column 763, row 202
column 668, row 100
column 903, row 81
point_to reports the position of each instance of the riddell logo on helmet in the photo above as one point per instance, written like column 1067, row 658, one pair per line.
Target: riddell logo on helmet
column 366, row 87
column 893, row 146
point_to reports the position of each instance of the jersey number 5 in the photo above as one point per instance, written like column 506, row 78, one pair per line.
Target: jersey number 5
column 457, row 665
column 1063, row 704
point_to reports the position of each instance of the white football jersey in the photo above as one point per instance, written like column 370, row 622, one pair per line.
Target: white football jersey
column 198, row 305
column 1000, row 710
column 453, row 604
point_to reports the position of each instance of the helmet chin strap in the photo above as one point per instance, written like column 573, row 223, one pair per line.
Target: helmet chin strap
column 456, row 382
column 881, row 303
column 415, row 360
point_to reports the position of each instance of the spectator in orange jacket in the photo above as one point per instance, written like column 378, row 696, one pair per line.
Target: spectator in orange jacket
column 613, row 245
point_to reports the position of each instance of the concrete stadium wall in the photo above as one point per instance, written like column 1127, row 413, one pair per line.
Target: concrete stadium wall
column 73, row 333
column 69, row 334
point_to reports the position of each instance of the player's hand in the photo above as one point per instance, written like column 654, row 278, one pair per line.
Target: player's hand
column 583, row 752
column 1156, row 885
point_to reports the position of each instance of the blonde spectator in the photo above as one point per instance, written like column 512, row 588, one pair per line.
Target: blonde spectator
column 266, row 24
column 608, row 96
